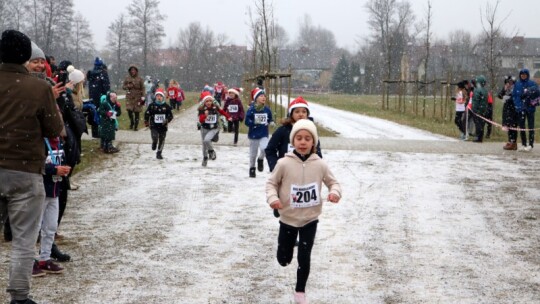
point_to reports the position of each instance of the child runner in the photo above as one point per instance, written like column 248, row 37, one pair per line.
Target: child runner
column 460, row 98
column 55, row 171
column 233, row 106
column 208, row 118
column 295, row 189
column 258, row 117
column 157, row 116
column 109, row 110
column 172, row 94
column 279, row 143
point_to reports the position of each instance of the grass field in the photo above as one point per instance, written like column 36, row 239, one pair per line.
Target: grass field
column 372, row 106
column 362, row 104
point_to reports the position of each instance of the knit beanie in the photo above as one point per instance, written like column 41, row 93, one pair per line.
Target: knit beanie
column 37, row 53
column 15, row 47
column 304, row 124
column 75, row 76
column 298, row 102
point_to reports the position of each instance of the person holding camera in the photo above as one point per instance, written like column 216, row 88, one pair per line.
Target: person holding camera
column 135, row 91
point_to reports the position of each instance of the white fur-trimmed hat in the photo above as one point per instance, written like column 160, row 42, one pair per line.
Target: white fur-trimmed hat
column 304, row 124
column 236, row 91
column 298, row 102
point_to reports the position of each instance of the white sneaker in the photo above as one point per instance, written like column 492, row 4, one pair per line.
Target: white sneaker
column 524, row 148
column 528, row 148
column 300, row 298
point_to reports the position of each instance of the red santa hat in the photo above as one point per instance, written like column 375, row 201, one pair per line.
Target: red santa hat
column 205, row 96
column 160, row 92
column 298, row 102
column 236, row 91
column 256, row 93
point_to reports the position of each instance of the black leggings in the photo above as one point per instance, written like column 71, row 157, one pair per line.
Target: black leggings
column 234, row 127
column 287, row 239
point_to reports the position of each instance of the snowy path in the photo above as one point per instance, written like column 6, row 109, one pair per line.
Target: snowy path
column 412, row 228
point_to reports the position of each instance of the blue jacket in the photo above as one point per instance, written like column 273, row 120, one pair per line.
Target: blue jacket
column 258, row 121
column 519, row 90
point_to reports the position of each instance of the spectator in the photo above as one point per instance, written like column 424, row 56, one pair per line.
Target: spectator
column 135, row 91
column 109, row 110
column 509, row 115
column 479, row 107
column 98, row 85
column 29, row 113
column 525, row 110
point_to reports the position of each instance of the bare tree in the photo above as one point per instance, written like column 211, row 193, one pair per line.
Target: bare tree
column 197, row 45
column 427, row 23
column 51, row 22
column 390, row 21
column 17, row 10
column 495, row 41
column 264, row 36
column 83, row 44
column 146, row 28
column 118, row 40
column 461, row 61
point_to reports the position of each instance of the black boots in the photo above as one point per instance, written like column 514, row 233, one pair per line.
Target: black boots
column 252, row 172
column 59, row 255
column 260, row 165
column 212, row 154
column 205, row 161
column 158, row 155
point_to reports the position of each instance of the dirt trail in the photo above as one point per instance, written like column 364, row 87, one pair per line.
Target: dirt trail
column 419, row 223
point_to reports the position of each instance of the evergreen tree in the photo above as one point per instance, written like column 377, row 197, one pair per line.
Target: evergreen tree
column 340, row 79
column 355, row 78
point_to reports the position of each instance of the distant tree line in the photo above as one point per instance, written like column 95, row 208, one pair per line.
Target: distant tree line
column 398, row 47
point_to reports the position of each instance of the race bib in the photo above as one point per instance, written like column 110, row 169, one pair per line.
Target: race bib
column 290, row 148
column 171, row 93
column 233, row 108
column 54, row 157
column 211, row 119
column 261, row 118
column 159, row 118
column 304, row 196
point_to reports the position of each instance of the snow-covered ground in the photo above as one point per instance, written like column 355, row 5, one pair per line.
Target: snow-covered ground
column 412, row 227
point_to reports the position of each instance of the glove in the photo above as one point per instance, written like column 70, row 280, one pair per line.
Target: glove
column 109, row 114
column 216, row 103
column 272, row 124
column 118, row 104
column 146, row 124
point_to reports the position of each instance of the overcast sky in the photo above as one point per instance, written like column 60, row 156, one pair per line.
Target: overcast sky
column 347, row 19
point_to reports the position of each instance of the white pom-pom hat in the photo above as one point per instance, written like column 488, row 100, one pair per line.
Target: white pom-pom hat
column 75, row 76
